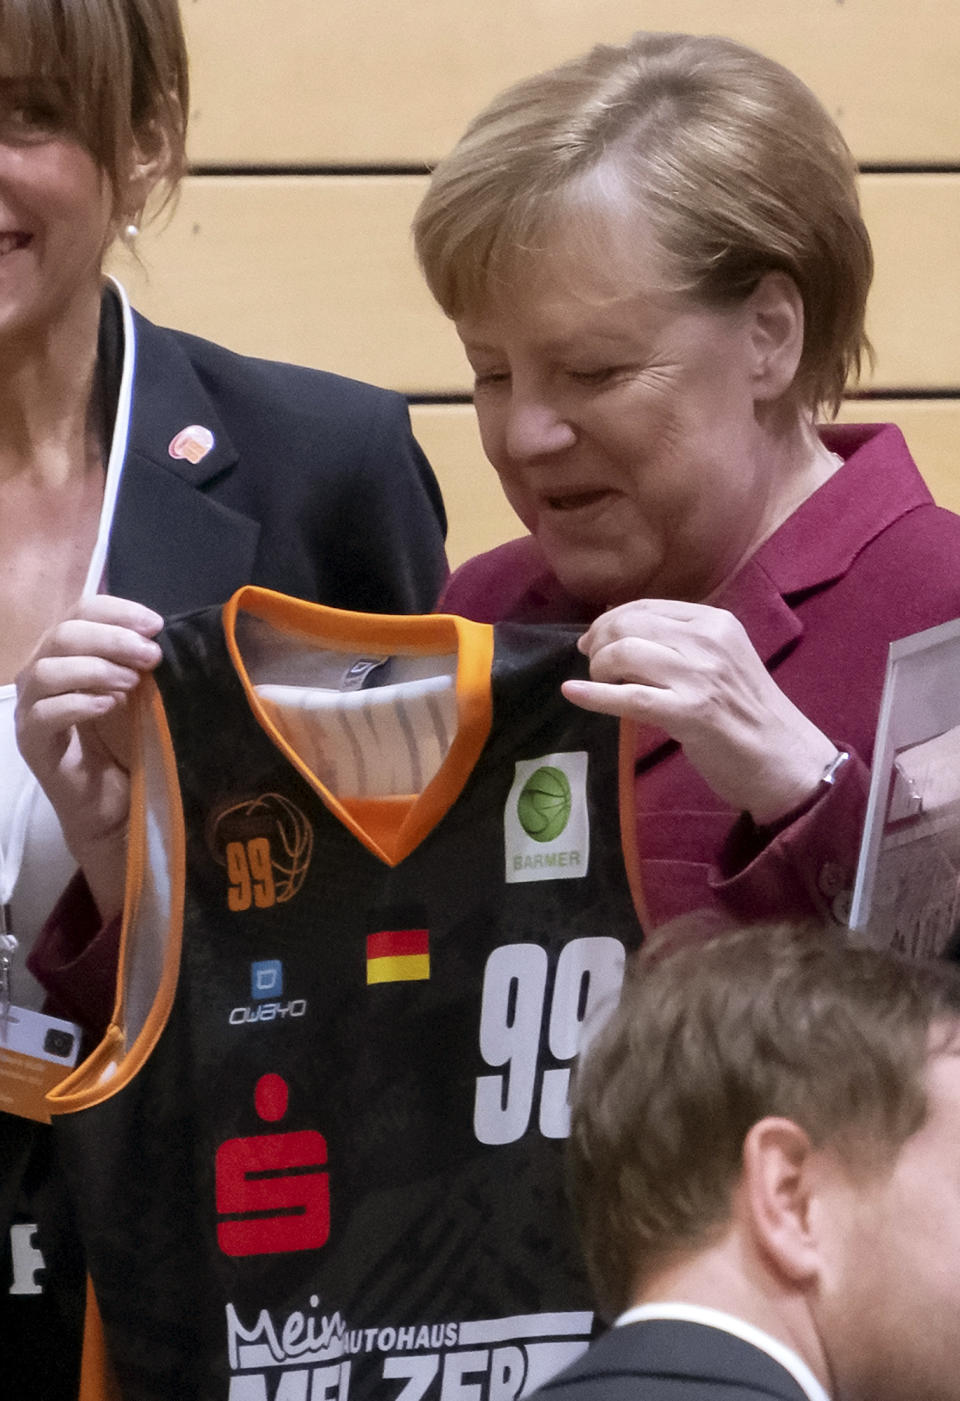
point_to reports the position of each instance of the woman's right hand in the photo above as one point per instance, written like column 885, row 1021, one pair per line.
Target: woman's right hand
column 73, row 729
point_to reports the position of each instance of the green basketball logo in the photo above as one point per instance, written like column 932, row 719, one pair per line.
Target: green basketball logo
column 544, row 804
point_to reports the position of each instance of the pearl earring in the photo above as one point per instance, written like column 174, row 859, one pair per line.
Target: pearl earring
column 130, row 232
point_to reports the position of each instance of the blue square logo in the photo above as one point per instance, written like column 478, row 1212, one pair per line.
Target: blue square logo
column 266, row 979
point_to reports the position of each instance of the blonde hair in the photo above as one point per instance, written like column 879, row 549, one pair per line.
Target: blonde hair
column 712, row 1037
column 117, row 70
column 734, row 162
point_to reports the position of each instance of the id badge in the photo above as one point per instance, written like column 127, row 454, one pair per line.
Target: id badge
column 36, row 1053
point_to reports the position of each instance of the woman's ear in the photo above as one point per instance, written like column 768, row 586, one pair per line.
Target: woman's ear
column 775, row 312
column 148, row 166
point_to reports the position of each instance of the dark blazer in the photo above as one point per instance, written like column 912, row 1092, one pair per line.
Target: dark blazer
column 666, row 1360
column 314, row 486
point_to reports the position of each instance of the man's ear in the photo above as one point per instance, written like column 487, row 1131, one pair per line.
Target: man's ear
column 777, row 1193
column 775, row 311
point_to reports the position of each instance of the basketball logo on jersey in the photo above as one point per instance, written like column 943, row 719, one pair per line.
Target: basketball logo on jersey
column 272, row 1196
column 265, row 844
column 546, row 824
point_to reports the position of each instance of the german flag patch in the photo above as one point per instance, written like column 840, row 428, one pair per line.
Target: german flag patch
column 398, row 956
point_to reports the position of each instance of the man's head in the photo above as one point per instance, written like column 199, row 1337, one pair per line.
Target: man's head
column 770, row 1123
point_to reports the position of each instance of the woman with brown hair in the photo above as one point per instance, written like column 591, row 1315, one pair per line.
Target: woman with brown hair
column 655, row 258
column 145, row 472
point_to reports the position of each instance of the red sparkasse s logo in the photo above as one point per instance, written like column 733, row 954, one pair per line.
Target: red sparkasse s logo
column 271, row 1186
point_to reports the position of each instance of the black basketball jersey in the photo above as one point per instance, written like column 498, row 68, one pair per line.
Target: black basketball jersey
column 42, row 1271
column 377, row 899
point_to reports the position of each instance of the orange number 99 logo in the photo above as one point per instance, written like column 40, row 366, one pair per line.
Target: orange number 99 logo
column 250, row 872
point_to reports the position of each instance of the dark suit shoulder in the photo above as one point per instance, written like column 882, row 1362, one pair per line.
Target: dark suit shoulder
column 637, row 1386
column 672, row 1360
column 288, row 389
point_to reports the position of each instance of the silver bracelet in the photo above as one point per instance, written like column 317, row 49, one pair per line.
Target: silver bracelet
column 829, row 776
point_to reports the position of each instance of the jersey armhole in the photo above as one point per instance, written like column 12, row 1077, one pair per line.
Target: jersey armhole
column 151, row 936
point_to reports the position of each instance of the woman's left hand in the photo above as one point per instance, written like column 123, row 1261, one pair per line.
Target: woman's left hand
column 691, row 670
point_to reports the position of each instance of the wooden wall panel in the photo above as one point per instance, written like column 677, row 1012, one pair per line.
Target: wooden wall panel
column 914, row 307
column 480, row 517
column 315, row 267
column 386, row 82
column 320, row 269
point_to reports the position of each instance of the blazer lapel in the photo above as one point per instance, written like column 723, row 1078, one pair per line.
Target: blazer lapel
column 174, row 547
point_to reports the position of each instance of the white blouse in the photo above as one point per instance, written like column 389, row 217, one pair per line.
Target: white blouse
column 34, row 862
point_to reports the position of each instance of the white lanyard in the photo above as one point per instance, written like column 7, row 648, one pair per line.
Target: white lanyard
column 11, row 859
column 118, row 448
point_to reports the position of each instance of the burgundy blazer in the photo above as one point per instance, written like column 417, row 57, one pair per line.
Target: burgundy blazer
column 868, row 558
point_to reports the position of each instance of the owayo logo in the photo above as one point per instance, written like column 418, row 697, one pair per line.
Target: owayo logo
column 544, row 804
column 266, row 990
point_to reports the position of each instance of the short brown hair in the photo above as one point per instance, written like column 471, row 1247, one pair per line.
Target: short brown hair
column 738, row 166
column 707, row 1040
column 119, row 70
